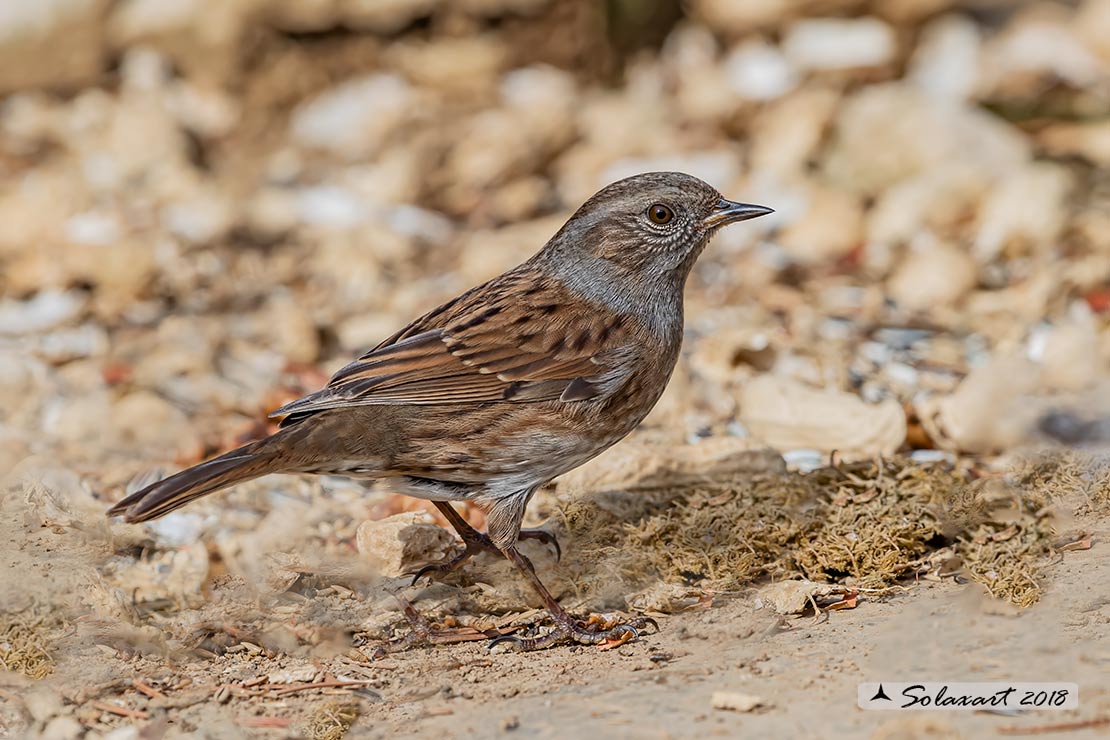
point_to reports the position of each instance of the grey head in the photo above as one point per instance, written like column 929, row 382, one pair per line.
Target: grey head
column 654, row 224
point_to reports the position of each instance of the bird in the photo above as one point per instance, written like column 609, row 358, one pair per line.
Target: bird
column 500, row 390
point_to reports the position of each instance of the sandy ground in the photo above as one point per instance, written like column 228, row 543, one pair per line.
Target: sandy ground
column 934, row 285
column 239, row 678
column 662, row 685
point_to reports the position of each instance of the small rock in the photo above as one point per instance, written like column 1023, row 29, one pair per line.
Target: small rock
column 797, row 597
column 298, row 674
column 786, row 133
column 144, row 420
column 989, row 411
column 886, row 133
column 42, row 703
column 665, row 598
column 178, row 528
column 787, row 415
column 382, row 16
column 1090, row 140
column 805, row 460
column 721, row 355
column 93, row 228
column 62, row 728
column 44, row 311
column 633, row 465
column 177, row 574
column 1092, row 24
column 127, row 732
column 401, row 544
column 32, row 35
column 292, row 329
column 354, row 119
column 331, row 207
column 830, row 227
column 1039, row 44
column 1028, row 207
column 463, row 63
column 1068, row 354
column 271, row 213
column 756, row 70
column 945, row 64
column 933, row 274
column 738, row 18
column 199, row 221
column 926, row 457
column 935, row 200
column 733, row 701
column 833, row 43
column 201, row 37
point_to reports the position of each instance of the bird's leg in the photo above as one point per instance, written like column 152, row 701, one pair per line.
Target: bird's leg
column 567, row 628
column 475, row 542
column 425, row 634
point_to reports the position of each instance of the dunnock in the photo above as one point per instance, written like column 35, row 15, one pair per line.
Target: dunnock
column 516, row 381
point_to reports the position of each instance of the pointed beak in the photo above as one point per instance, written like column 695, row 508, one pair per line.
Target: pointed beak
column 729, row 212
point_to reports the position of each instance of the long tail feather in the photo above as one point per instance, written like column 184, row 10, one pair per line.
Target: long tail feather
column 237, row 466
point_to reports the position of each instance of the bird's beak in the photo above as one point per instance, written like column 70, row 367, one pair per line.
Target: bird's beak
column 729, row 212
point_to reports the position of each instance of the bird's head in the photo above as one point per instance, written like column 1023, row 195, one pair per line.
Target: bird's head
column 655, row 223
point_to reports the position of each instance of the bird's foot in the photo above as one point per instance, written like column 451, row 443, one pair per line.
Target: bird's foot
column 476, row 542
column 607, row 631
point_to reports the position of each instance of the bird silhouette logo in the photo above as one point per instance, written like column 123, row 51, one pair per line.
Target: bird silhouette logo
column 880, row 694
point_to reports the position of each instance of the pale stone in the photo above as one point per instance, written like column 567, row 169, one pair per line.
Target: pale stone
column 945, row 63
column 353, row 119
column 639, row 466
column 886, row 133
column 786, row 415
column 1029, row 207
column 32, row 35
column 830, row 227
column 403, row 543
column 933, row 274
column 756, row 70
column 840, row 43
column 734, row 701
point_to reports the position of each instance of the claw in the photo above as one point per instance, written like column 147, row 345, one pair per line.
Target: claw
column 504, row 639
column 619, row 635
column 545, row 537
column 423, row 572
column 558, row 550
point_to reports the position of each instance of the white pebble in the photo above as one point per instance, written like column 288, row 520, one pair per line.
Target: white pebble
column 833, row 43
column 759, row 71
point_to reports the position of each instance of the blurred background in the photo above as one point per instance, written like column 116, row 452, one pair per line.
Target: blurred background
column 208, row 205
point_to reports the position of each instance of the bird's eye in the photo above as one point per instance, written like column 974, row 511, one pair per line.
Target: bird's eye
column 660, row 214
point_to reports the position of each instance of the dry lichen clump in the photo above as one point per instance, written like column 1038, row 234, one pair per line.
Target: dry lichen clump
column 867, row 523
column 331, row 721
column 24, row 640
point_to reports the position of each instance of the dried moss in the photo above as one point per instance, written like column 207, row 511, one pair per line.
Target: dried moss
column 331, row 721
column 1082, row 478
column 869, row 523
column 24, row 644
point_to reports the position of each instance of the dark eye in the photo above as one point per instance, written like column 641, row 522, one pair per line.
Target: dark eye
column 660, row 214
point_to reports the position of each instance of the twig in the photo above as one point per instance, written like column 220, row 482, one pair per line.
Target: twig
column 150, row 691
column 118, row 710
column 294, row 688
column 264, row 721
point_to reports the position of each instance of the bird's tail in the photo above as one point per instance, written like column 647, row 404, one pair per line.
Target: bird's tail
column 250, row 461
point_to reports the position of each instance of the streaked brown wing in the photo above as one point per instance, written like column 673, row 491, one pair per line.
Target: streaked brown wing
column 499, row 343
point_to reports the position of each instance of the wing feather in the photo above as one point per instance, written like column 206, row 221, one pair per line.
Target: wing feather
column 486, row 346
